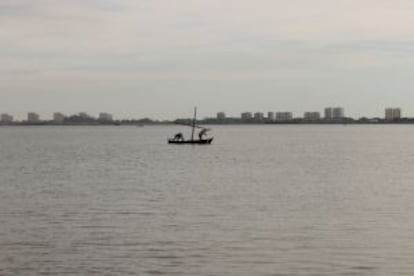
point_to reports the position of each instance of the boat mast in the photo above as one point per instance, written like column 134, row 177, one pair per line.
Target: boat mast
column 194, row 123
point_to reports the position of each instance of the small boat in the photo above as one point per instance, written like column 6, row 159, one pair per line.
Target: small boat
column 179, row 139
column 200, row 142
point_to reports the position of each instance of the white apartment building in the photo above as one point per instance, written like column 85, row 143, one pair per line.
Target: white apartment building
column 246, row 116
column 270, row 116
column 6, row 118
column 338, row 113
column 258, row 116
column 284, row 116
column 334, row 113
column 392, row 113
column 33, row 117
column 312, row 115
column 221, row 115
column 328, row 113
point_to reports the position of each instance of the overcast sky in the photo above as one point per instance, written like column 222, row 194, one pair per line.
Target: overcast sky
column 159, row 58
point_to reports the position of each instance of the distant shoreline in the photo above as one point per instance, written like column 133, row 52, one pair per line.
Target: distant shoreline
column 201, row 122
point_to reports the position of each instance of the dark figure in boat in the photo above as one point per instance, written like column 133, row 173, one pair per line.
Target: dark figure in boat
column 179, row 137
column 202, row 133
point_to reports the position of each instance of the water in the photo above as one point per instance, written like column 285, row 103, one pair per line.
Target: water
column 262, row 200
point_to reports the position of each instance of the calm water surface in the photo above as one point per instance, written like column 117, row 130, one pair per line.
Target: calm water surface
column 262, row 200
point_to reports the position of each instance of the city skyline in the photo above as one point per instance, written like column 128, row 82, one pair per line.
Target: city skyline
column 21, row 115
column 139, row 58
column 328, row 113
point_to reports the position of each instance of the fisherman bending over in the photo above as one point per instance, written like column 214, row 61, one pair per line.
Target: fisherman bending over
column 179, row 137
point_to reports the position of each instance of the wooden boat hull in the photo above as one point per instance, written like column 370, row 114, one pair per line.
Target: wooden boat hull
column 193, row 142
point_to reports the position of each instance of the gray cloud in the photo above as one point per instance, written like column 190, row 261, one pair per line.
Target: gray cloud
column 281, row 50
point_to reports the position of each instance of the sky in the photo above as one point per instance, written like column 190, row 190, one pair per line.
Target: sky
column 160, row 58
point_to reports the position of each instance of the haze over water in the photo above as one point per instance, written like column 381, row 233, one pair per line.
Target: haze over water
column 262, row 200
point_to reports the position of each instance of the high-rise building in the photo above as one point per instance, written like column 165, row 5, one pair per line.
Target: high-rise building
column 338, row 113
column 392, row 114
column 105, row 117
column 58, row 117
column 397, row 113
column 312, row 116
column 284, row 116
column 6, row 118
column 389, row 114
column 258, row 116
column 334, row 113
column 245, row 116
column 270, row 116
column 221, row 116
column 33, row 117
column 329, row 113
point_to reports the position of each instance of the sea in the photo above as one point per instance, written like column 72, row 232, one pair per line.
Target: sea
column 271, row 200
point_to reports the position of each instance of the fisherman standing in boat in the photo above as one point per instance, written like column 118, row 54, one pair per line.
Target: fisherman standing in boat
column 202, row 133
